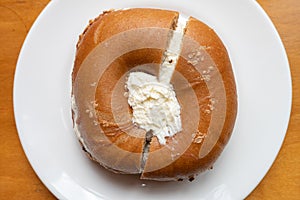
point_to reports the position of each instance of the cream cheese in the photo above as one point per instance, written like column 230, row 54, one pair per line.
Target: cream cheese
column 153, row 100
column 155, row 106
column 75, row 125
column 172, row 53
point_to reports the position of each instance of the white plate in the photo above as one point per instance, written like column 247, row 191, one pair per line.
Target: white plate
column 42, row 102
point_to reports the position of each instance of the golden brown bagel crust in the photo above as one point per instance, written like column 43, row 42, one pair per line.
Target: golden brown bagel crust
column 189, row 164
column 102, row 28
column 113, row 22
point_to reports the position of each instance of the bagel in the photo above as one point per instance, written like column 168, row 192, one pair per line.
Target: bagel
column 122, row 50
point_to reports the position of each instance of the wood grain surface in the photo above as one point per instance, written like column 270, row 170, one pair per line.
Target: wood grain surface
column 19, row 181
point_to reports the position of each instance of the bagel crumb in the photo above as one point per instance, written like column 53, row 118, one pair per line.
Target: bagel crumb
column 93, row 84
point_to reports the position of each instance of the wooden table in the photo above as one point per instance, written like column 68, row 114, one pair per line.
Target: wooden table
column 18, row 180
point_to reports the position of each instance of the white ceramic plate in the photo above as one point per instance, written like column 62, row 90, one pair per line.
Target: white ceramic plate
column 42, row 102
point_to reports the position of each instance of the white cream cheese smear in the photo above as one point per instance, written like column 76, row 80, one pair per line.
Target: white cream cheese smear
column 153, row 100
column 172, row 53
column 155, row 106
